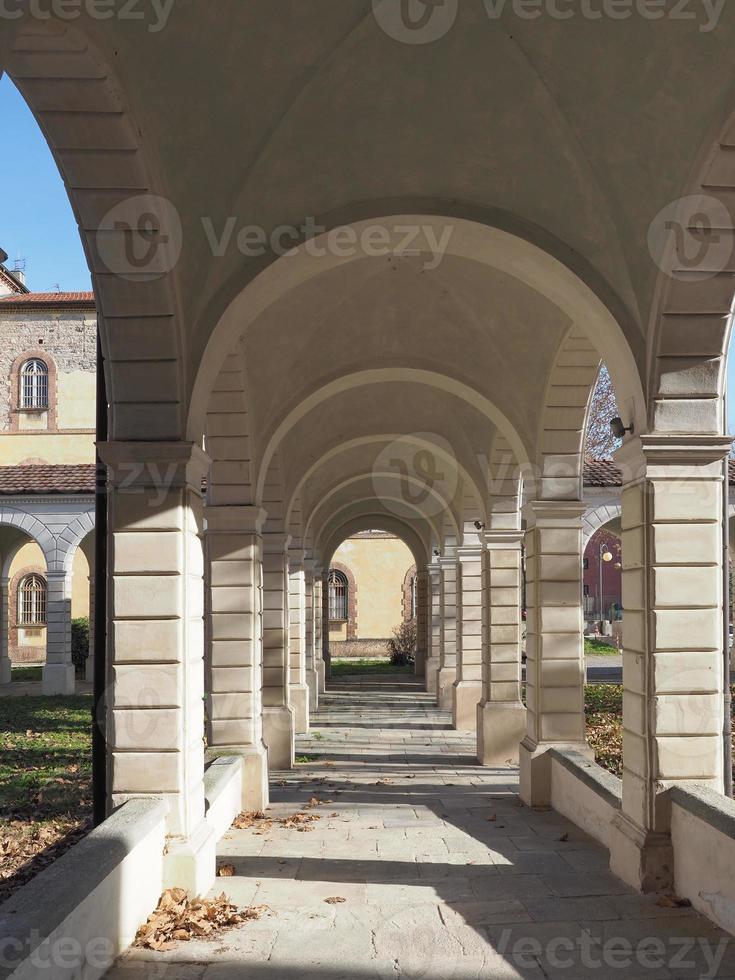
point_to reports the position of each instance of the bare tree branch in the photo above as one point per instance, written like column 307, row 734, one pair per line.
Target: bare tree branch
column 600, row 443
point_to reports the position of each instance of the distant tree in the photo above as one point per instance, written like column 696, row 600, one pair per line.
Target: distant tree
column 600, row 442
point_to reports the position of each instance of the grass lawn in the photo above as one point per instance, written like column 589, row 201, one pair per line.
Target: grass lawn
column 26, row 674
column 600, row 649
column 345, row 666
column 45, row 782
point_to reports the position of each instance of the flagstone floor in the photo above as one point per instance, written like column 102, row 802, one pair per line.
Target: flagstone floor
column 423, row 865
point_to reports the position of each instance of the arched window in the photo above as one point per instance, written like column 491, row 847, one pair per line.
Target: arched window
column 337, row 595
column 34, row 384
column 32, row 601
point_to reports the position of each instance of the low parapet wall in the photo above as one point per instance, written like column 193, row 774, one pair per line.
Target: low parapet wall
column 585, row 793
column 77, row 915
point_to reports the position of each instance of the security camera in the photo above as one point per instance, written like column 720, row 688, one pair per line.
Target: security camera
column 479, row 525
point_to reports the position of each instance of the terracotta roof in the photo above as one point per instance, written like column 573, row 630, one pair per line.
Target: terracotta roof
column 44, row 479
column 601, row 473
column 35, row 301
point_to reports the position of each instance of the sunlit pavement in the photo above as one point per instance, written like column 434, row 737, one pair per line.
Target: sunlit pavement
column 424, row 865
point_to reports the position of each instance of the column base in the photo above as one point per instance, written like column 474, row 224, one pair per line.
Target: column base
column 535, row 768
column 321, row 673
column 191, row 863
column 279, row 736
column 299, row 699
column 642, row 859
column 57, row 679
column 445, row 678
column 312, row 682
column 6, row 672
column 432, row 666
column 500, row 728
column 255, row 778
column 466, row 696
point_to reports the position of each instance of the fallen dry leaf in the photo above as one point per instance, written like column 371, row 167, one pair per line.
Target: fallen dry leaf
column 335, row 900
column 180, row 919
column 226, row 871
column 673, row 902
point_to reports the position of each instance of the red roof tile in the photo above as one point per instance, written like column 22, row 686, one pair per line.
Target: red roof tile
column 44, row 479
column 35, row 301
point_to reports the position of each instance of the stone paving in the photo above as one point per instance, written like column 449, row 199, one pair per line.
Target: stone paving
column 425, row 866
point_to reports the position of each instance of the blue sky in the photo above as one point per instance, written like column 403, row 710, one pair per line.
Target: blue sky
column 36, row 222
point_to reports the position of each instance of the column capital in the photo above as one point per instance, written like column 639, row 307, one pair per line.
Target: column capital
column 226, row 520
column 470, row 552
column 276, row 543
column 447, row 561
column 296, row 558
column 555, row 513
column 640, row 455
column 497, row 539
column 154, row 464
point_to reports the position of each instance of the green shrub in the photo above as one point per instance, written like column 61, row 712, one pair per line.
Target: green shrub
column 79, row 644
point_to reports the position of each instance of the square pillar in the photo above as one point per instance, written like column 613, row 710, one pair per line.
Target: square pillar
column 422, row 622
column 471, row 618
column 5, row 664
column 446, row 675
column 278, row 717
column 501, row 715
column 434, row 625
column 57, row 675
column 155, row 635
column 234, row 554
column 319, row 630
column 312, row 675
column 299, row 694
column 554, row 643
column 673, row 640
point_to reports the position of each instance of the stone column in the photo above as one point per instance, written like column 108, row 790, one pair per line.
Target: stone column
column 155, row 644
column 234, row 554
column 434, row 597
column 299, row 693
column 89, row 665
column 422, row 622
column 501, row 715
column 5, row 664
column 471, row 614
column 312, row 675
column 278, row 716
column 319, row 628
column 57, row 676
column 447, row 673
column 554, row 643
column 673, row 638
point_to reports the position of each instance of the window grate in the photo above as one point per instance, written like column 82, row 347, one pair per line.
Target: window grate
column 34, row 385
column 337, row 595
column 32, row 601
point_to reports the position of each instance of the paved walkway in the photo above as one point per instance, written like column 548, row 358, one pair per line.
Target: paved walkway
column 425, row 866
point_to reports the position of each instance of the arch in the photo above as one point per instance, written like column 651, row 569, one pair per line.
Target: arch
column 32, row 528
column 358, row 478
column 366, row 521
column 111, row 179
column 349, row 382
column 72, row 538
column 377, row 508
column 228, row 435
column 475, row 237
column 350, row 444
column 596, row 518
column 563, row 422
column 692, row 309
column 505, row 482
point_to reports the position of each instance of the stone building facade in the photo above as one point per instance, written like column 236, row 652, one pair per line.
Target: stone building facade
column 47, row 433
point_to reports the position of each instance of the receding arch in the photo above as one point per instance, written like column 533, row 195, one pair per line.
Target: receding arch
column 376, row 522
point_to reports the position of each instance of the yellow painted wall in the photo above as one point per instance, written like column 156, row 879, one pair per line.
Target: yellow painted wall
column 379, row 566
column 51, row 447
column 76, row 400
